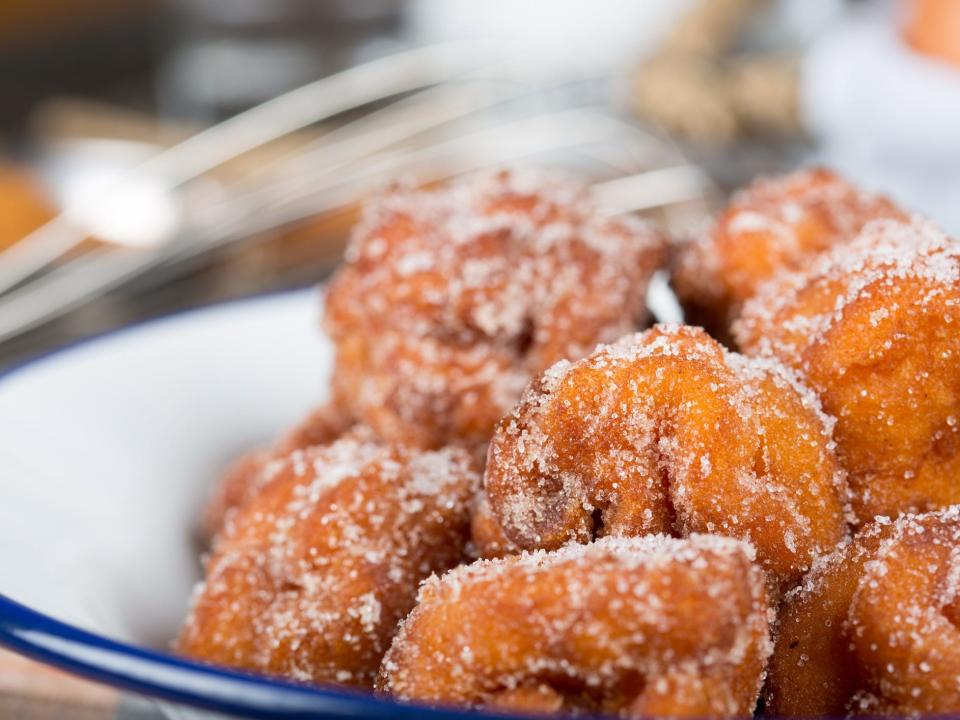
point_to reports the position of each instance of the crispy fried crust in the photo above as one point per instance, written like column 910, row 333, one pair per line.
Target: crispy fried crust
column 873, row 629
column 604, row 628
column 874, row 329
column 246, row 475
column 451, row 299
column 310, row 578
column 776, row 224
column 489, row 539
column 666, row 432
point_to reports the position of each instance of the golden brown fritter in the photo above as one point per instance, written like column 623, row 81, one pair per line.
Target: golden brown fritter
column 667, row 432
column 873, row 630
column 776, row 224
column 451, row 299
column 246, row 475
column 311, row 577
column 489, row 539
column 635, row 627
column 874, row 329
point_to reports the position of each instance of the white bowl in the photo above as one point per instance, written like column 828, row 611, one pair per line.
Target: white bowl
column 109, row 449
column 108, row 452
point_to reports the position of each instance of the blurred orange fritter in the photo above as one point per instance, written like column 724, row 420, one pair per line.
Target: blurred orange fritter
column 773, row 225
column 667, row 432
column 452, row 298
column 635, row 627
column 874, row 630
column 933, row 28
column 874, row 329
column 310, row 579
column 23, row 205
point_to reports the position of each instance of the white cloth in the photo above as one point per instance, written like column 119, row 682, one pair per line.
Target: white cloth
column 885, row 116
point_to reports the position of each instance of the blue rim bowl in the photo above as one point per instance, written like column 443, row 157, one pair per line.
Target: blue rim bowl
column 175, row 679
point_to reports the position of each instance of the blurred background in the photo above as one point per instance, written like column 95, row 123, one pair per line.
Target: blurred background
column 162, row 154
column 682, row 99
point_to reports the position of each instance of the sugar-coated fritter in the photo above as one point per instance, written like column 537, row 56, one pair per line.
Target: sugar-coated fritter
column 776, row 224
column 311, row 578
column 451, row 299
column 667, row 432
column 489, row 539
column 246, row 475
column 875, row 627
column 874, row 329
column 635, row 627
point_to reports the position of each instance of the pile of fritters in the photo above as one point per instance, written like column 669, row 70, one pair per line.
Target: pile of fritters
column 521, row 497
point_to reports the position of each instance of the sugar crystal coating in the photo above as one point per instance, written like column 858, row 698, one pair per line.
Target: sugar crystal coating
column 452, row 298
column 776, row 224
column 245, row 476
column 310, row 579
column 667, row 432
column 872, row 328
column 873, row 629
column 635, row 627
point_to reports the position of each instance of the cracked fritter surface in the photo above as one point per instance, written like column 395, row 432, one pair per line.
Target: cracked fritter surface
column 311, row 577
column 601, row 628
column 873, row 630
column 667, row 432
column 451, row 299
column 774, row 225
column 874, row 329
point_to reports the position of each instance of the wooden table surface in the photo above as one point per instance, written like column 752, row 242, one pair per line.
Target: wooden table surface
column 30, row 691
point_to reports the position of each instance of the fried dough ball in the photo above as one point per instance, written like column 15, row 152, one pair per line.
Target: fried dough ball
column 489, row 539
column 311, row 578
column 636, row 627
column 246, row 475
column 451, row 299
column 874, row 329
column 667, row 432
column 875, row 627
column 776, row 224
